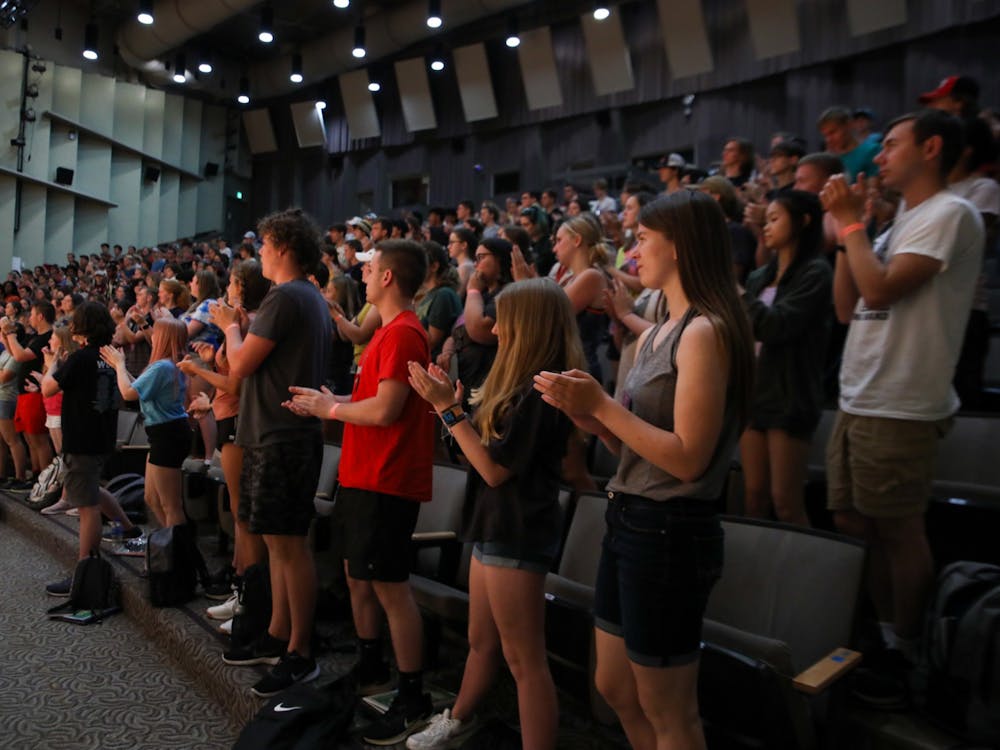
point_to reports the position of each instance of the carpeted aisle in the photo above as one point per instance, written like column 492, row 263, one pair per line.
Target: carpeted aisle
column 68, row 687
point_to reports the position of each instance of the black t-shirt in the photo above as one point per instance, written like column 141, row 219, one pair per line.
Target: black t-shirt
column 523, row 512
column 36, row 343
column 474, row 359
column 90, row 403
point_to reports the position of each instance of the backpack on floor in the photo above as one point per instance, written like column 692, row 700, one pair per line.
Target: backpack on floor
column 95, row 588
column 130, row 492
column 303, row 717
column 48, row 488
column 254, row 611
column 961, row 652
column 175, row 565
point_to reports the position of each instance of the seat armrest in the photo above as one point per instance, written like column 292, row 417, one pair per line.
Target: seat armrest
column 424, row 539
column 827, row 670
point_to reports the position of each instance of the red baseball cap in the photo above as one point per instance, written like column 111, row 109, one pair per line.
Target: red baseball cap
column 949, row 86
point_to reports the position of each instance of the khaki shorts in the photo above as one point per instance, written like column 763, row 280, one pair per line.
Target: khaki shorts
column 880, row 467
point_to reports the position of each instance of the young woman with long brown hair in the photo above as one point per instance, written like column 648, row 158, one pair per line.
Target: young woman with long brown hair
column 681, row 412
column 514, row 443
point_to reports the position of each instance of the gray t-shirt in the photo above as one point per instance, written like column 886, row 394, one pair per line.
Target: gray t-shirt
column 295, row 317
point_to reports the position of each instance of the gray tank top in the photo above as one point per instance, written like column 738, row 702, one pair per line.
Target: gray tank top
column 649, row 394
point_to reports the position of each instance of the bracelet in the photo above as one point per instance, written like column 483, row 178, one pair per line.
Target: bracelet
column 235, row 325
column 472, row 290
column 851, row 229
column 452, row 415
column 333, row 410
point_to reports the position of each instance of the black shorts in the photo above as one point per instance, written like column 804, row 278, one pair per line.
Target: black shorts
column 377, row 530
column 226, row 429
column 278, row 485
column 169, row 443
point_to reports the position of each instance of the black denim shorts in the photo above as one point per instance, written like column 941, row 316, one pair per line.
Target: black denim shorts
column 659, row 562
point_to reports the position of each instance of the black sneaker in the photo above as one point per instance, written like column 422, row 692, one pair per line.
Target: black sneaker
column 291, row 669
column 220, row 585
column 404, row 717
column 121, row 534
column 59, row 588
column 20, row 485
column 373, row 681
column 265, row 650
column 884, row 684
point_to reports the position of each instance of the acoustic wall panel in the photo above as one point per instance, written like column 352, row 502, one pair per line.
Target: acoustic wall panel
column 865, row 16
column 129, row 115
column 11, row 65
column 29, row 242
column 474, row 83
column 774, row 27
column 90, row 228
column 93, row 167
column 67, row 84
column 362, row 119
column 152, row 129
column 610, row 64
column 173, row 128
column 260, row 134
column 187, row 207
column 683, row 26
column 308, row 121
column 169, row 206
column 97, row 103
column 149, row 213
column 191, row 143
column 126, row 179
column 415, row 94
column 58, row 227
column 538, row 69
column 211, row 191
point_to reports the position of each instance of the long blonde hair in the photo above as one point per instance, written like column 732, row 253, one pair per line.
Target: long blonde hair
column 537, row 331
column 169, row 340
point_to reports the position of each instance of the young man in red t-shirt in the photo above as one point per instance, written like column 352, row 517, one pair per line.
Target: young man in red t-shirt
column 386, row 468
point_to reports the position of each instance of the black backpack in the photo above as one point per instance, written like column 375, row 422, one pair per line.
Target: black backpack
column 130, row 492
column 303, row 717
column 253, row 614
column 94, row 588
column 961, row 652
column 175, row 565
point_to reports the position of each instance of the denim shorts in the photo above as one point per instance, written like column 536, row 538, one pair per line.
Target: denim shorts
column 500, row 555
column 7, row 409
column 659, row 562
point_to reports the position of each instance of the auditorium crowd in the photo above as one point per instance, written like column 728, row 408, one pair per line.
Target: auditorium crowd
column 679, row 321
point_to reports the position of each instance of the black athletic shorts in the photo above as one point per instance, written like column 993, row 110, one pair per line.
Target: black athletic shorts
column 169, row 443
column 377, row 530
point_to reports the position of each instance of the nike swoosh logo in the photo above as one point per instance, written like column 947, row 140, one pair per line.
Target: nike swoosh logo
column 281, row 708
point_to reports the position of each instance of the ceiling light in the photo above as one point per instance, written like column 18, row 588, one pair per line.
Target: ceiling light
column 145, row 15
column 341, row 3
column 266, row 33
column 321, row 105
column 244, row 97
column 437, row 60
column 296, row 74
column 434, row 19
column 205, row 64
column 359, row 50
column 513, row 39
column 180, row 70
column 90, row 41
column 601, row 11
column 374, row 86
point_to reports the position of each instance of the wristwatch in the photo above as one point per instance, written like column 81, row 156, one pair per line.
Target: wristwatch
column 452, row 415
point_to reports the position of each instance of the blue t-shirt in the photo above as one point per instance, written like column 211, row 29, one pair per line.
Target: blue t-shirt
column 861, row 159
column 161, row 390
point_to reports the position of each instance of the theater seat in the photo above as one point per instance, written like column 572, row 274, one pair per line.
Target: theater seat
column 436, row 548
column 325, row 487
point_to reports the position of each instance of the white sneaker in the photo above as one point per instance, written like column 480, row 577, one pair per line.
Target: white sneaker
column 60, row 506
column 224, row 611
column 226, row 628
column 75, row 512
column 442, row 732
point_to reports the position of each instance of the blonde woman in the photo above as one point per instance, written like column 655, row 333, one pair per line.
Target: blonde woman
column 581, row 250
column 514, row 443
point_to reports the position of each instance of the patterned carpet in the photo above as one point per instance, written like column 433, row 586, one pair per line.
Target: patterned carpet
column 66, row 687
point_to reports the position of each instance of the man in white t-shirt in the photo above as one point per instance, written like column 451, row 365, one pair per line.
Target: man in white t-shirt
column 907, row 298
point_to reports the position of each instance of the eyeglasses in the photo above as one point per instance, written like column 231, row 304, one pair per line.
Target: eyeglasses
column 480, row 256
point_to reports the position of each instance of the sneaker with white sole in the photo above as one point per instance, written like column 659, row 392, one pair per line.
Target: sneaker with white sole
column 226, row 628
column 292, row 668
column 60, row 506
column 224, row 611
column 442, row 732
column 404, row 717
column 75, row 512
column 131, row 548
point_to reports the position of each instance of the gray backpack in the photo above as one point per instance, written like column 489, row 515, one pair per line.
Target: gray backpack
column 961, row 652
